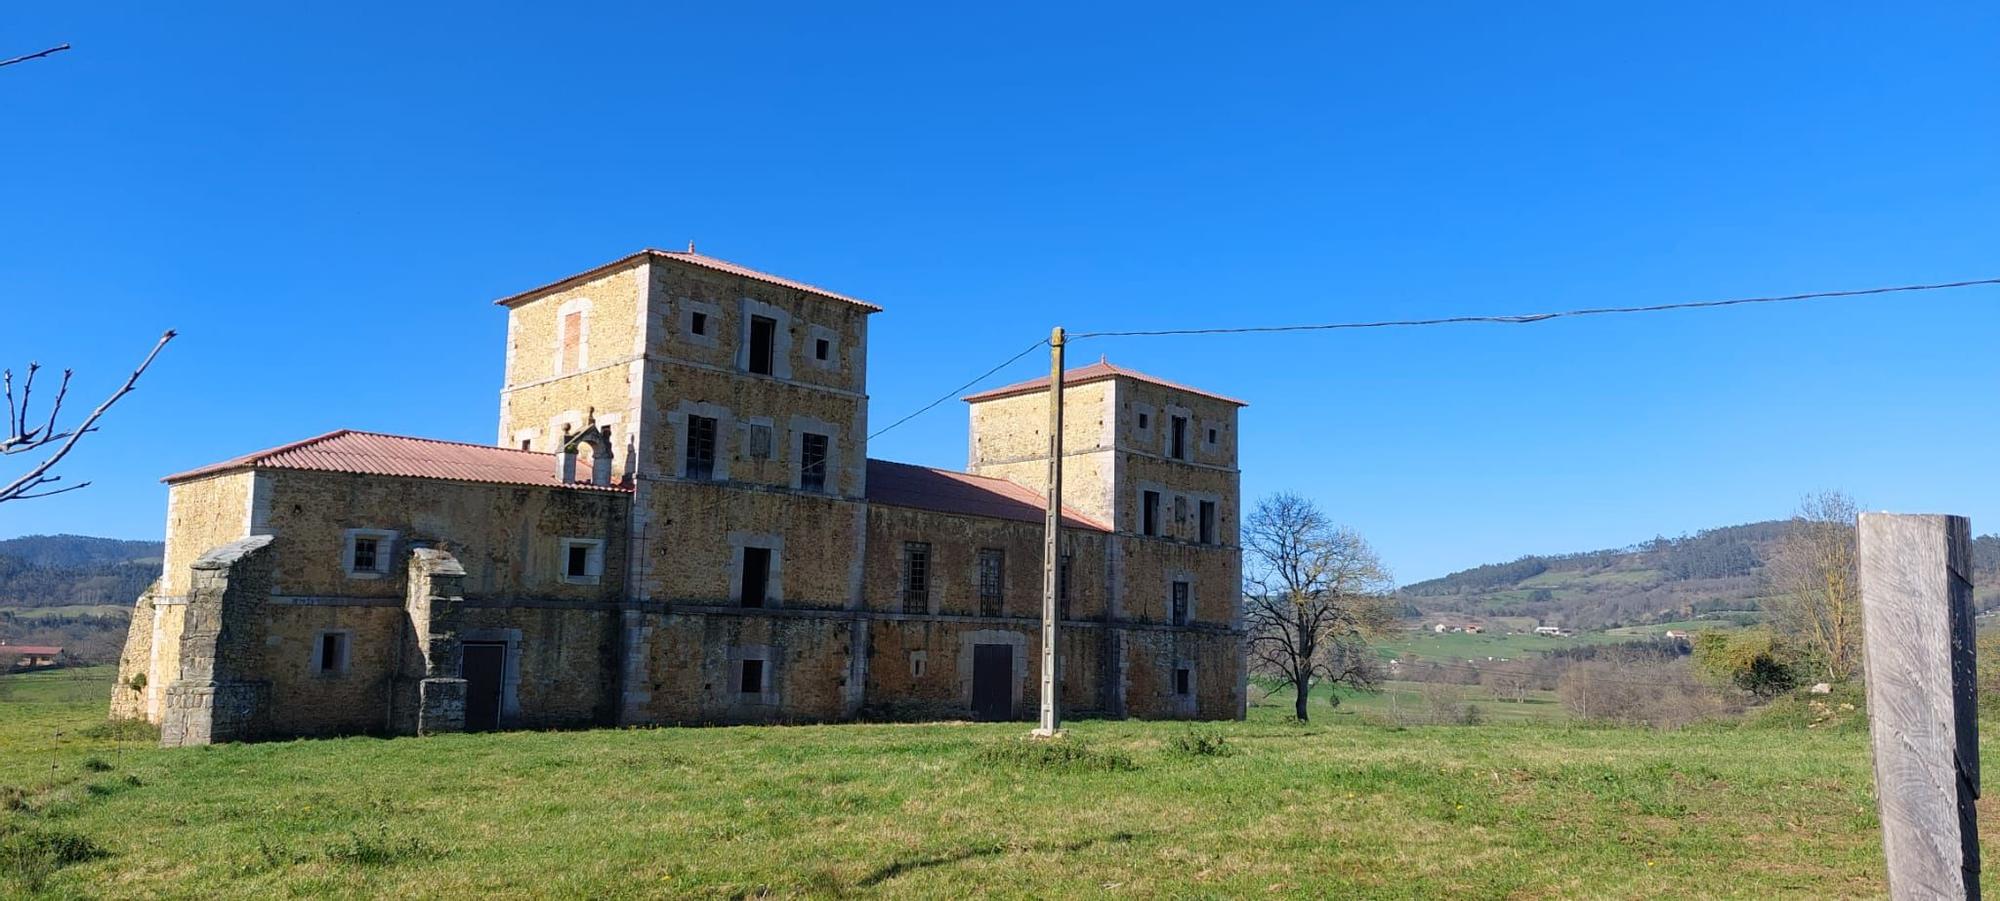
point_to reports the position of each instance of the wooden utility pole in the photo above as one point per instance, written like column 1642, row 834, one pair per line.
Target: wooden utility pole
column 1917, row 640
column 1052, row 540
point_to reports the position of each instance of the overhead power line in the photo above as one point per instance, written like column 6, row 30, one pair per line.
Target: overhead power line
column 1507, row 319
column 1523, row 318
column 948, row 395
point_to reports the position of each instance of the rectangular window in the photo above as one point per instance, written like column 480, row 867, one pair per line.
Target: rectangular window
column 757, row 441
column 1177, row 447
column 1180, row 603
column 701, row 447
column 1145, row 422
column 698, row 323
column 1149, row 513
column 365, row 553
column 1180, row 511
column 527, row 443
column 822, row 349
column 916, row 577
column 763, row 344
column 1213, row 436
column 330, row 654
column 582, row 560
column 992, row 573
column 1183, row 681
column 1207, row 522
column 812, row 462
column 756, row 576
column 753, row 677
column 572, row 341
column 1062, row 587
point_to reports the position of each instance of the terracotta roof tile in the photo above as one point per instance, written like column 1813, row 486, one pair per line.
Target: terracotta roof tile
column 699, row 259
column 373, row 453
column 1095, row 372
column 29, row 650
column 945, row 491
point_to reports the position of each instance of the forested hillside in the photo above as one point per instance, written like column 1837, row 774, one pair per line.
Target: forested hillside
column 72, row 590
column 1712, row 572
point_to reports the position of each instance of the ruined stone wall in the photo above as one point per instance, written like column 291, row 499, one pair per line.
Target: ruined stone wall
column 695, row 534
column 135, row 661
column 955, row 545
column 202, row 514
column 508, row 537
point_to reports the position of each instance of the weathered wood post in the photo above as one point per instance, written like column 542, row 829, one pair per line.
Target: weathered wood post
column 1917, row 640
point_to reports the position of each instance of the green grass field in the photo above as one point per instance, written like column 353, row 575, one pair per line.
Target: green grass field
column 68, row 610
column 1338, row 808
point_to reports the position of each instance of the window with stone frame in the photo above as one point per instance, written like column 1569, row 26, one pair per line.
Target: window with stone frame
column 763, row 345
column 916, row 577
column 752, row 678
column 1149, row 513
column 757, row 441
column 756, row 590
column 330, row 653
column 698, row 322
column 1183, row 681
column 582, row 560
column 1206, row 530
column 812, row 462
column 572, row 342
column 992, row 581
column 1177, row 443
column 1179, row 607
column 700, row 450
column 366, row 553
column 822, row 349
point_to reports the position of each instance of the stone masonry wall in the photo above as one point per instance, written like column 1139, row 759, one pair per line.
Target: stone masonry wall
column 217, row 695
column 507, row 537
column 201, row 514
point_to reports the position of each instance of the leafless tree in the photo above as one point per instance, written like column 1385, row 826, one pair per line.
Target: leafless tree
column 1814, row 596
column 1509, row 680
column 1312, row 593
column 28, row 432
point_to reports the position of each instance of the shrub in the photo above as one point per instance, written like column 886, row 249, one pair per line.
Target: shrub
column 1201, row 743
column 32, row 855
column 96, row 764
column 1053, row 754
column 1661, row 695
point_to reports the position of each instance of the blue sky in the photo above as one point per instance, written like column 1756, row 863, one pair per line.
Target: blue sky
column 324, row 201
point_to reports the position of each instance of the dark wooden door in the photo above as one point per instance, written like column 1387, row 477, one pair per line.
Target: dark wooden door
column 993, row 681
column 485, row 666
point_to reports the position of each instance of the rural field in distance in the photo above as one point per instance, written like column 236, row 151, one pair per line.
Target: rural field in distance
column 1346, row 806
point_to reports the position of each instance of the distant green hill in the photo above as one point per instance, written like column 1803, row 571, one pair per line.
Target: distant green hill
column 1711, row 573
column 75, row 570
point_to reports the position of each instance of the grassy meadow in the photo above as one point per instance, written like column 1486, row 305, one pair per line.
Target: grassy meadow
column 1343, row 807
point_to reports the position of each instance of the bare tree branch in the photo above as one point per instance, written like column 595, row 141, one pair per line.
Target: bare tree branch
column 23, row 439
column 22, row 59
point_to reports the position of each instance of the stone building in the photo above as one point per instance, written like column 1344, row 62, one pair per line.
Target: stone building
column 679, row 523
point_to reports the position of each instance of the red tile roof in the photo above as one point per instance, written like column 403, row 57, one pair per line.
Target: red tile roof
column 29, row 650
column 1095, row 372
column 373, row 453
column 945, row 491
column 698, row 259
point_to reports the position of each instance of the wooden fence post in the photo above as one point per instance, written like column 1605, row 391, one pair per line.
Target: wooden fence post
column 1918, row 642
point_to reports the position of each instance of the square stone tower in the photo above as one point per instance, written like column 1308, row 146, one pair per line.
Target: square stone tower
column 1155, row 459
